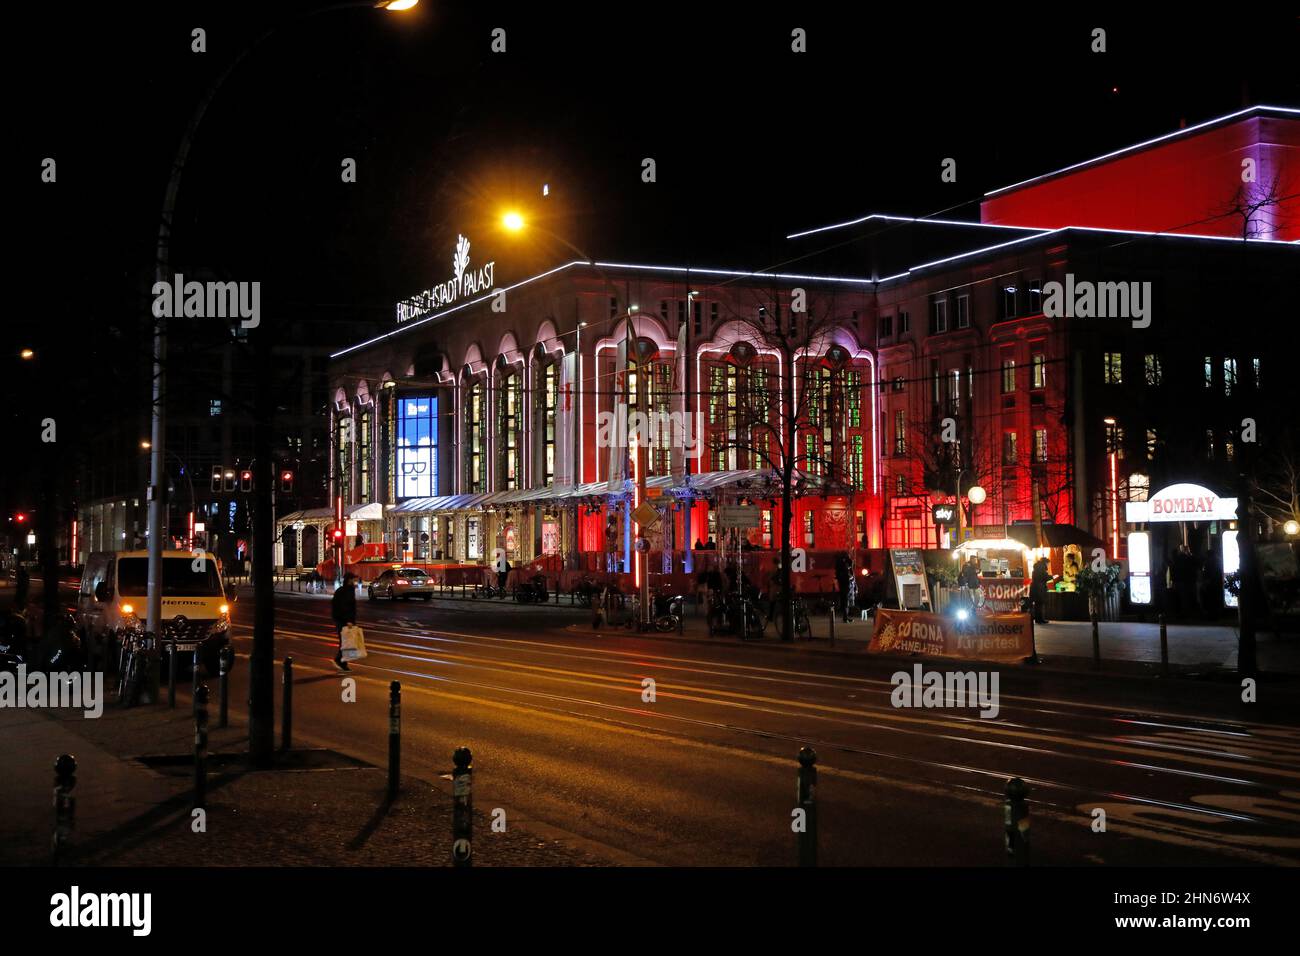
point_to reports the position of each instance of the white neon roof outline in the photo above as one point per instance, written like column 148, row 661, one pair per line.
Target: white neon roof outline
column 920, row 219
column 1126, row 232
column 604, row 265
column 1146, row 143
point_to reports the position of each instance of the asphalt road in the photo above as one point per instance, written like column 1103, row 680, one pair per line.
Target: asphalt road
column 705, row 773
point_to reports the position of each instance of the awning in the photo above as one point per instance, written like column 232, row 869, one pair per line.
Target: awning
column 373, row 511
column 1054, row 536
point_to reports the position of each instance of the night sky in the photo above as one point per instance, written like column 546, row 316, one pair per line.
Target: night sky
column 751, row 142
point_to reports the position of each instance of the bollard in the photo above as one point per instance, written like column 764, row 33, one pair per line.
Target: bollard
column 831, row 618
column 1164, row 646
column 462, row 819
column 807, row 793
column 1016, row 822
column 171, row 675
column 394, row 737
column 194, row 677
column 201, row 747
column 286, row 714
column 1096, row 644
column 223, row 686
column 65, row 804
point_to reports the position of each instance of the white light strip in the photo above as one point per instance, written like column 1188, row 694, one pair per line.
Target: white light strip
column 1125, row 232
column 1145, row 143
column 606, row 265
column 938, row 222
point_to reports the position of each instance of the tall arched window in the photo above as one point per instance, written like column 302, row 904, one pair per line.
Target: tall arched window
column 475, row 436
column 509, row 430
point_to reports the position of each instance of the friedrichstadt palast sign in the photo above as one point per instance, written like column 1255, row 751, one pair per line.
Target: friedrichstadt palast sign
column 464, row 282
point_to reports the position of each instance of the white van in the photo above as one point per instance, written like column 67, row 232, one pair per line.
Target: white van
column 114, row 595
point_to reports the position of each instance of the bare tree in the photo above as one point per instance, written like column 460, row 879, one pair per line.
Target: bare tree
column 1277, row 489
column 786, row 416
column 1257, row 205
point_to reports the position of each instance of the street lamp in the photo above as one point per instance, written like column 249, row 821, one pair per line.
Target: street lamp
column 976, row 495
column 1292, row 528
column 26, row 354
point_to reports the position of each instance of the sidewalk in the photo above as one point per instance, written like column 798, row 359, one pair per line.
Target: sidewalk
column 318, row 808
column 1126, row 647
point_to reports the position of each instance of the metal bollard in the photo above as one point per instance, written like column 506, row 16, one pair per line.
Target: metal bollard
column 223, row 686
column 65, row 804
column 462, row 819
column 1096, row 644
column 194, row 677
column 171, row 675
column 1015, row 820
column 807, row 792
column 286, row 713
column 681, row 618
column 831, row 618
column 201, row 747
column 394, row 737
column 1164, row 646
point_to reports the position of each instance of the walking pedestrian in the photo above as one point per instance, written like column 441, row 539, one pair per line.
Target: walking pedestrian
column 343, row 609
column 1038, row 590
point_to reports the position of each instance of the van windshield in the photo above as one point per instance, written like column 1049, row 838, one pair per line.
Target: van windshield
column 179, row 578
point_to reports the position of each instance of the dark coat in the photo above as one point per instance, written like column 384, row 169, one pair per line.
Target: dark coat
column 343, row 606
column 1038, row 581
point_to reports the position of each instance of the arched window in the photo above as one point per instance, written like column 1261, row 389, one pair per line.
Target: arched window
column 475, row 432
column 509, row 430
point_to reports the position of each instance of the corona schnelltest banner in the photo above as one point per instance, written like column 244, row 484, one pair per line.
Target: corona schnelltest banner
column 991, row 637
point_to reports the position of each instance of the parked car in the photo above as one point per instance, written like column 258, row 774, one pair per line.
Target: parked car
column 404, row 583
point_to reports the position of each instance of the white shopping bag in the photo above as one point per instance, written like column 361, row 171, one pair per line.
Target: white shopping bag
column 354, row 643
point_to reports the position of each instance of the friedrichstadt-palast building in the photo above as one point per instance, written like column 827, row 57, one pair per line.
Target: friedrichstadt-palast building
column 1097, row 337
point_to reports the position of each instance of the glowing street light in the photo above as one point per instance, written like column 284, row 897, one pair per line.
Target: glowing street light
column 1292, row 528
column 394, row 6
column 513, row 221
column 26, row 354
column 977, row 495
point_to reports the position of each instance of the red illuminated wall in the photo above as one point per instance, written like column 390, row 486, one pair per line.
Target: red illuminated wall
column 1181, row 185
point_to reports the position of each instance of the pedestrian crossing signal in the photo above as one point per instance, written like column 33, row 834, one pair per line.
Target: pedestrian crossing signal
column 286, row 482
column 246, row 480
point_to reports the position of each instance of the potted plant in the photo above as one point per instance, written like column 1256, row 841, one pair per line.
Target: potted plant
column 1102, row 588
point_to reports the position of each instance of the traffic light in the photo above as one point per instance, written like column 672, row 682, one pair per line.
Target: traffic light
column 286, row 482
column 216, row 478
column 21, row 518
column 246, row 480
column 230, row 480
column 337, row 536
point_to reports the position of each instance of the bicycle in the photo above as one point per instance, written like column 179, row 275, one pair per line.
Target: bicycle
column 132, row 666
column 489, row 592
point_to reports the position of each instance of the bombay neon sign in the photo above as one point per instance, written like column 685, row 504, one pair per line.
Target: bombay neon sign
column 1182, row 502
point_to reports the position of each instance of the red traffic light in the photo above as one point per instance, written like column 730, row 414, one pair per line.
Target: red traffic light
column 338, row 534
column 20, row 517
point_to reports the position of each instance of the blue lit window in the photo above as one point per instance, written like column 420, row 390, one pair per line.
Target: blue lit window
column 417, row 446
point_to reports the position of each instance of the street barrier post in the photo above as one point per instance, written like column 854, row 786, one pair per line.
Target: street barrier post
column 1164, row 646
column 1096, row 643
column 1016, row 822
column 201, row 747
column 807, row 789
column 462, row 820
column 223, row 687
column 394, row 737
column 65, row 804
column 171, row 675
